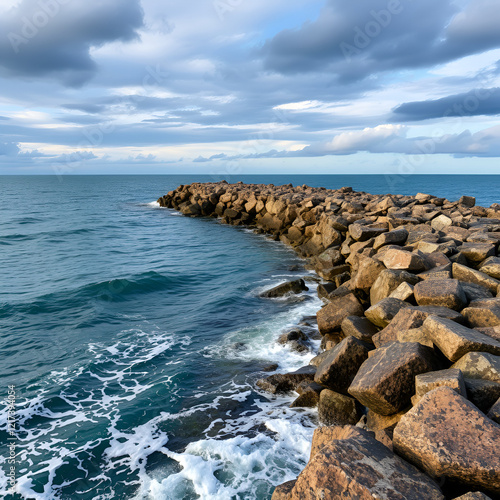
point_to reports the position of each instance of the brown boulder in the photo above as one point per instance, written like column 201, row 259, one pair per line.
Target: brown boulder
column 383, row 312
column 339, row 368
column 280, row 383
column 387, row 281
column 404, row 260
column 396, row 237
column 491, row 267
column 406, row 319
column 358, row 467
column 473, row 495
column 403, row 292
column 359, row 327
column 455, row 340
column 483, row 313
column 337, row 409
column 477, row 252
column 481, row 365
column 440, row 292
column 308, row 395
column 331, row 316
column 361, row 232
column 464, row 273
column 283, row 491
column 385, row 382
column 368, row 271
column 447, row 436
column 427, row 382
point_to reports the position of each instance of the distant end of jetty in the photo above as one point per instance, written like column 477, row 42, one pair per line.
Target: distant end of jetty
column 408, row 382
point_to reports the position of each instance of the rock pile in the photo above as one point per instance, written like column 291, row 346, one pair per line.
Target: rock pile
column 408, row 385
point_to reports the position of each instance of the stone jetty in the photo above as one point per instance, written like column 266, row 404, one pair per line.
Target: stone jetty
column 408, row 381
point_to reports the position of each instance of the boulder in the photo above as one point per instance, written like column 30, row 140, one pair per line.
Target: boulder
column 483, row 393
column 376, row 422
column 467, row 201
column 337, row 409
column 361, row 232
column 491, row 331
column 414, row 335
column 447, row 436
column 427, row 382
column 331, row 316
column 406, row 319
column 308, row 395
column 281, row 383
column 403, row 260
column 396, row 237
column 330, row 273
column 483, row 313
column 358, row 467
column 437, row 273
column 283, row 491
column 383, row 312
column 476, row 252
column 385, row 382
column 443, row 312
column 480, row 365
column 296, row 287
column 475, row 292
column 387, row 281
column 441, row 222
column 455, row 340
column 359, row 327
column 337, row 370
column 368, row 271
column 403, row 292
column 440, row 292
column 464, row 273
column 491, row 267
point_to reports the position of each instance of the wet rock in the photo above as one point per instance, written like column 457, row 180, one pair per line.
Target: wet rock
column 383, row 312
column 385, row 382
column 331, row 316
column 403, row 260
column 483, row 393
column 281, row 383
column 296, row 287
column 358, row 467
column 440, row 292
column 359, row 327
column 387, row 281
column 464, row 273
column 337, row 370
column 337, row 409
column 447, row 436
column 455, row 340
column 479, row 365
column 427, row 382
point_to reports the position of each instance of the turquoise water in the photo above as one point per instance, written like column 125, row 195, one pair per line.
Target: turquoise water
column 133, row 338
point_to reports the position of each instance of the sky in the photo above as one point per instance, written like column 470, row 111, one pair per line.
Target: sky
column 249, row 86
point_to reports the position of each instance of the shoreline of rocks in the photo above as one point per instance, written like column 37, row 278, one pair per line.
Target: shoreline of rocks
column 408, row 383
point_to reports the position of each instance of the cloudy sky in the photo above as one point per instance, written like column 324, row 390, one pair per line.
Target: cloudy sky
column 249, row 86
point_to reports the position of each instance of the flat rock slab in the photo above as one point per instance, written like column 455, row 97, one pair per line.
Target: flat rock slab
column 338, row 369
column 455, row 340
column 383, row 312
column 385, row 382
column 427, row 382
column 479, row 365
column 447, row 436
column 331, row 316
column 440, row 292
column 360, row 468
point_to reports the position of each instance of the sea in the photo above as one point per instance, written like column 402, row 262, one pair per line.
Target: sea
column 131, row 338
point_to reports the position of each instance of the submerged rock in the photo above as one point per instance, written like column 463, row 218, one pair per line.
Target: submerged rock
column 295, row 287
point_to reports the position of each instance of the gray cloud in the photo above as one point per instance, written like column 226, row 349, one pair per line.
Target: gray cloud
column 473, row 103
column 353, row 42
column 54, row 37
column 8, row 149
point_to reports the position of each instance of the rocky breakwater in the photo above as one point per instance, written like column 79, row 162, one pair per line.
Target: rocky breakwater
column 408, row 381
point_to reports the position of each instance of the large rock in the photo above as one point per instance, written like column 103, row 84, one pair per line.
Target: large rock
column 281, row 383
column 331, row 316
column 361, row 232
column 358, row 467
column 483, row 393
column 383, row 312
column 447, row 436
column 480, row 365
column 491, row 267
column 368, row 271
column 464, row 273
column 406, row 319
column 359, row 327
column 441, row 222
column 337, row 409
column 483, row 313
column 339, row 368
column 477, row 252
column 396, row 237
column 403, row 292
column 387, row 281
column 295, row 287
column 440, row 292
column 283, row 491
column 427, row 382
column 404, row 260
column 455, row 340
column 385, row 382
